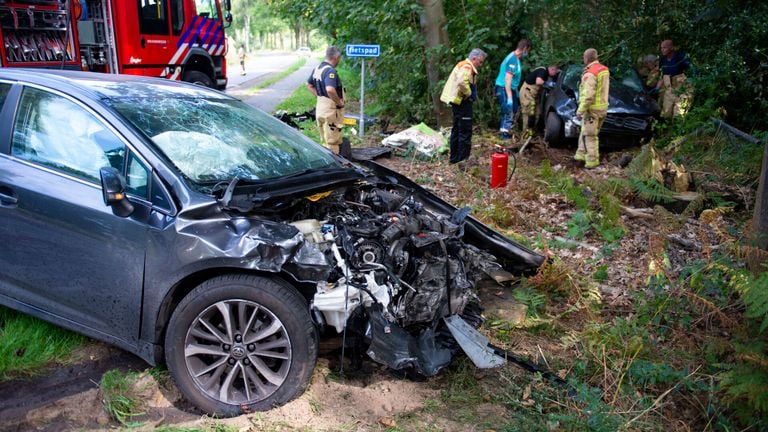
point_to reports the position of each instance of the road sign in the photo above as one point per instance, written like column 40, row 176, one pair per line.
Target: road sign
column 363, row 50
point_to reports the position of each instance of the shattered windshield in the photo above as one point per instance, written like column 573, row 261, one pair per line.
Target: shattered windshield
column 216, row 140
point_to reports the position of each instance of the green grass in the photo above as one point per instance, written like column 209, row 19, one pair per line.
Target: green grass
column 117, row 388
column 278, row 76
column 299, row 101
column 28, row 344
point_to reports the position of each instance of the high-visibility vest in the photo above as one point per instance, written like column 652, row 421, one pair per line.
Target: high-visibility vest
column 602, row 76
column 459, row 84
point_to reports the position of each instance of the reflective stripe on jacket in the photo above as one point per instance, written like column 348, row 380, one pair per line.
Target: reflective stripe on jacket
column 459, row 84
column 593, row 90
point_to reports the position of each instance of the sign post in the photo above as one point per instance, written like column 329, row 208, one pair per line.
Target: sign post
column 362, row 51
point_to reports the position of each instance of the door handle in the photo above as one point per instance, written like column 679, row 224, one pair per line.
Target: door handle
column 6, row 199
column 143, row 42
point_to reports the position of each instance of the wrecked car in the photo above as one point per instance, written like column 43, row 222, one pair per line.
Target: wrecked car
column 630, row 108
column 184, row 226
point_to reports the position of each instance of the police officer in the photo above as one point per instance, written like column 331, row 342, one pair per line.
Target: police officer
column 329, row 111
column 593, row 107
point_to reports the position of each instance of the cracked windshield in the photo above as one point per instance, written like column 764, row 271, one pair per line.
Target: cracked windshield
column 216, row 140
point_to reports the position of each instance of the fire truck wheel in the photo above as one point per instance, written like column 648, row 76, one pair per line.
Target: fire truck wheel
column 199, row 78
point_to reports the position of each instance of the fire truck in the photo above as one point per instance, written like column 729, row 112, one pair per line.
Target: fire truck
column 175, row 39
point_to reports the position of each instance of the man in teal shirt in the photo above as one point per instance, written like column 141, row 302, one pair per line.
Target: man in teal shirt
column 507, row 83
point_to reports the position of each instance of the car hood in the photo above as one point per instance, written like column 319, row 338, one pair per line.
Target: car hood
column 624, row 100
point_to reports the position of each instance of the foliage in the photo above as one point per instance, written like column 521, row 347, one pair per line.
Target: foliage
column 28, row 344
column 117, row 389
column 729, row 73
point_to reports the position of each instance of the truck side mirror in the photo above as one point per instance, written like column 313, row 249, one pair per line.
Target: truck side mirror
column 228, row 5
column 113, row 191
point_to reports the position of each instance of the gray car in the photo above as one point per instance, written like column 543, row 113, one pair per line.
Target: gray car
column 186, row 227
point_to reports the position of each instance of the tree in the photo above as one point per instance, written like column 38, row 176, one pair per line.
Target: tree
column 436, row 42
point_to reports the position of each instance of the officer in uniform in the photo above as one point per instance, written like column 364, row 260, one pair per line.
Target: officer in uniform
column 329, row 111
column 593, row 108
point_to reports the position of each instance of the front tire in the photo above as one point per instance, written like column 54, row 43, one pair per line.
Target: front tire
column 241, row 343
column 199, row 78
column 553, row 129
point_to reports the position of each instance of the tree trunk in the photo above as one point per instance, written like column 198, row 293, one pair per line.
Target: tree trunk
column 757, row 260
column 432, row 21
column 296, row 36
column 247, row 33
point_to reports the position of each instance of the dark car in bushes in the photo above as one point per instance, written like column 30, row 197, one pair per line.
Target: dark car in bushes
column 184, row 226
column 630, row 108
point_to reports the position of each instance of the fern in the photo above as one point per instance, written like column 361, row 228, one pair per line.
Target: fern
column 578, row 225
column 745, row 383
column 651, row 190
column 754, row 294
column 531, row 298
column 641, row 165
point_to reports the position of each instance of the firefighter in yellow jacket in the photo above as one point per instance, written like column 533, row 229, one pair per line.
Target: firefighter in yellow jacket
column 593, row 107
column 329, row 111
column 459, row 92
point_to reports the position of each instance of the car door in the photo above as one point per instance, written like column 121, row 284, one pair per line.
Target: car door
column 64, row 252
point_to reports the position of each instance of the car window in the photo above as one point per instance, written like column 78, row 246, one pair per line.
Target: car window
column 572, row 76
column 215, row 140
column 56, row 132
column 4, row 89
column 137, row 177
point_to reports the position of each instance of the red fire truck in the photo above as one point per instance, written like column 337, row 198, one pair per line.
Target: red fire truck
column 175, row 39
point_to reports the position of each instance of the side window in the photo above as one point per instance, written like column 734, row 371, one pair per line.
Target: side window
column 153, row 17
column 56, row 132
column 207, row 8
column 137, row 178
column 177, row 16
column 4, row 89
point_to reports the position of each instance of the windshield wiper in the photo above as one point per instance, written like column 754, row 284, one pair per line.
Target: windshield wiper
column 241, row 205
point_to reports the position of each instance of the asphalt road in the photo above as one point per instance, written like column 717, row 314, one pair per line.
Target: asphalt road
column 260, row 67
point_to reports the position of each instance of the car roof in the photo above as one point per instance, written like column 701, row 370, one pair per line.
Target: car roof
column 109, row 86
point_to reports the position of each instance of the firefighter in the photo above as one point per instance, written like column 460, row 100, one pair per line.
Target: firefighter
column 329, row 111
column 674, row 93
column 529, row 94
column 593, row 107
column 459, row 92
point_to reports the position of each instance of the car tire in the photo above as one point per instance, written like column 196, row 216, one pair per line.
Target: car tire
column 199, row 78
column 553, row 129
column 241, row 343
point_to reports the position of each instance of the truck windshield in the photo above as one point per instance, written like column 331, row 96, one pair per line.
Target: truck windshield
column 214, row 140
column 207, row 8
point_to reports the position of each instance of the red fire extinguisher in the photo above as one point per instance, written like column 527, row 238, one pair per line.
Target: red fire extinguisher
column 499, row 167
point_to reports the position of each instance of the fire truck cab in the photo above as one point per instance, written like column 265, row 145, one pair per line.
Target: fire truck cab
column 175, row 39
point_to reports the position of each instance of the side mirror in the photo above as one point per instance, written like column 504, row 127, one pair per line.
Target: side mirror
column 227, row 19
column 549, row 85
column 228, row 5
column 113, row 190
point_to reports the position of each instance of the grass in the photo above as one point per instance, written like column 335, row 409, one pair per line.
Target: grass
column 299, row 101
column 28, row 344
column 278, row 76
column 118, row 391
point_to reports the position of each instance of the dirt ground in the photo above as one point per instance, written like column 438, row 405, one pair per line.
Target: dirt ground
column 372, row 398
